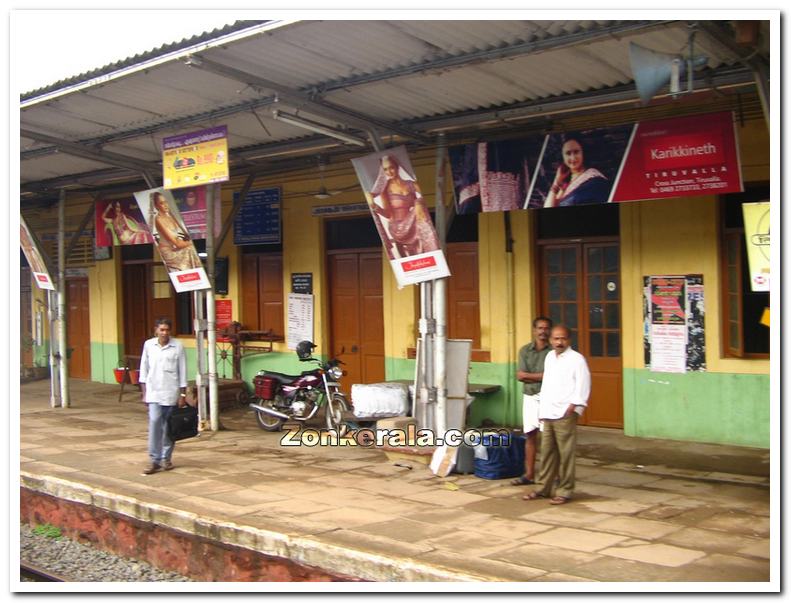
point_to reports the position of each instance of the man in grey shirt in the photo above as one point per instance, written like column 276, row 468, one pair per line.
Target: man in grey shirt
column 163, row 379
column 530, row 373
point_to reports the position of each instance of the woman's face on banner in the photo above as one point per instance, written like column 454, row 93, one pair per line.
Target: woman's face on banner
column 159, row 202
column 572, row 155
column 389, row 167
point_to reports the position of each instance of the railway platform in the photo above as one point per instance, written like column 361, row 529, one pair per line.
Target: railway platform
column 238, row 506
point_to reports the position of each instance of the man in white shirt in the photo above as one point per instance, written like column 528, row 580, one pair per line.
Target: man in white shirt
column 564, row 395
column 163, row 380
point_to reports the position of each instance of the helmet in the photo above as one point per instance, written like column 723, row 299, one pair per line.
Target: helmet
column 305, row 349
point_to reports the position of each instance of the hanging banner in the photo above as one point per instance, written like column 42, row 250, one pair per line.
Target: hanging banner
column 493, row 176
column 120, row 222
column 401, row 216
column 172, row 240
column 682, row 157
column 579, row 168
column 258, row 220
column 756, row 235
column 674, row 323
column 192, row 207
column 33, row 257
column 195, row 158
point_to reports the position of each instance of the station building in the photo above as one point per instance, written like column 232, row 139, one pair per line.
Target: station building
column 584, row 266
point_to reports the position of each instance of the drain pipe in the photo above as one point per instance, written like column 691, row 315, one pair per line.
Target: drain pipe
column 62, row 343
column 510, row 305
column 214, row 405
column 54, row 367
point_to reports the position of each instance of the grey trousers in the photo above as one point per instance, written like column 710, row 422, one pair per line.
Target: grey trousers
column 160, row 446
column 558, row 453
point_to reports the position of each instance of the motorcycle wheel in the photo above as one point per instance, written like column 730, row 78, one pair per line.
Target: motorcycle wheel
column 336, row 406
column 265, row 421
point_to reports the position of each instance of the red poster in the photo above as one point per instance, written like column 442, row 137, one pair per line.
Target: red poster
column 681, row 157
column 223, row 313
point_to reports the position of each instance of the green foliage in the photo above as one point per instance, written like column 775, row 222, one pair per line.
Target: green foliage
column 47, row 530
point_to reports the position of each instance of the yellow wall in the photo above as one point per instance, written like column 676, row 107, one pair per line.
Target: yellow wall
column 106, row 300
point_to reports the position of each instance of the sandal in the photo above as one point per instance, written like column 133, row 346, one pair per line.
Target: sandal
column 532, row 496
column 522, row 481
column 559, row 500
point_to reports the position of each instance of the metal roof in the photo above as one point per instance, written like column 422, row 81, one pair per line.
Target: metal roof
column 400, row 80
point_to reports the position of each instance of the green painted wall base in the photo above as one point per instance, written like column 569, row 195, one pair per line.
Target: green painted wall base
column 719, row 408
column 104, row 358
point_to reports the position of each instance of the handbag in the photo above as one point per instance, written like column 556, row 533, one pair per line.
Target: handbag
column 183, row 423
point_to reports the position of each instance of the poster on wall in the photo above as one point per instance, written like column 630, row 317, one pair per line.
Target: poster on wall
column 191, row 203
column 258, row 220
column 195, row 158
column 673, row 323
column 33, row 256
column 120, row 222
column 172, row 240
column 579, row 168
column 493, row 176
column 401, row 216
column 300, row 319
column 682, row 157
column 756, row 235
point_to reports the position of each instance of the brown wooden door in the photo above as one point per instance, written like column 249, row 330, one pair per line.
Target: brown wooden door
column 356, row 315
column 138, row 321
column 26, row 316
column 580, row 287
column 78, row 328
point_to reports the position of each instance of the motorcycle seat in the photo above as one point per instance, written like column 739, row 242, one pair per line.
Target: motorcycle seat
column 281, row 377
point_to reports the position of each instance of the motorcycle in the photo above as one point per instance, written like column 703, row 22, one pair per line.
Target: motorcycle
column 280, row 397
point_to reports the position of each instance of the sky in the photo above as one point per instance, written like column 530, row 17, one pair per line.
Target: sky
column 77, row 41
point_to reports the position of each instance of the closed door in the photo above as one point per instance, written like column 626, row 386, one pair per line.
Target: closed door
column 580, row 288
column 78, row 328
column 356, row 315
column 137, row 310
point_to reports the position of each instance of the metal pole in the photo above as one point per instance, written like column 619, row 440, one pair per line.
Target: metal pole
column 440, row 300
column 62, row 343
column 214, row 404
column 54, row 368
column 199, row 325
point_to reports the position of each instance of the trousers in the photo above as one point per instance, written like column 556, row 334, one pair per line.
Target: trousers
column 160, row 446
column 558, row 454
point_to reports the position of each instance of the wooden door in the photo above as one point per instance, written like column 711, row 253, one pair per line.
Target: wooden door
column 580, row 288
column 78, row 328
column 356, row 315
column 138, row 321
column 26, row 317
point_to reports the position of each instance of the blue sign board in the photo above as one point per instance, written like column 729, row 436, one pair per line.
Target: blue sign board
column 258, row 220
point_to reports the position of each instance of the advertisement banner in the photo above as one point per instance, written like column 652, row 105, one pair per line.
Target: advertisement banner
column 756, row 235
column 401, row 216
column 195, row 158
column 120, row 222
column 681, row 157
column 33, row 257
column 172, row 240
column 579, row 168
column 493, row 176
column 191, row 203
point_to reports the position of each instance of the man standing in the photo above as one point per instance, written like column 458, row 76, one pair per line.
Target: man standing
column 530, row 373
column 163, row 379
column 564, row 395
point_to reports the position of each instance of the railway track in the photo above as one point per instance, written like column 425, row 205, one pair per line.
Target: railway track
column 29, row 572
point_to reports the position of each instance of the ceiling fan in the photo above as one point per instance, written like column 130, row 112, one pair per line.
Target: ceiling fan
column 323, row 192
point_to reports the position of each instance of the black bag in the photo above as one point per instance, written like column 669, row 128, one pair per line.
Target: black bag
column 183, row 423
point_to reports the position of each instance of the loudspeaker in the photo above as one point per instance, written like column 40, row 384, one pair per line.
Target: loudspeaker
column 652, row 70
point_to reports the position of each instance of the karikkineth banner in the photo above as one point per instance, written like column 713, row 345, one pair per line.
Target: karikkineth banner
column 33, row 257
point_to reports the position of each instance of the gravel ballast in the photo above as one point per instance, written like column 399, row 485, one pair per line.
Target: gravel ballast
column 77, row 562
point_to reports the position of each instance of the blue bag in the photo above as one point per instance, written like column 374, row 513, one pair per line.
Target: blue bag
column 496, row 459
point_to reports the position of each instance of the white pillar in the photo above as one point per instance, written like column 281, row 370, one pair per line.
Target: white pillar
column 214, row 403
column 54, row 366
column 62, row 343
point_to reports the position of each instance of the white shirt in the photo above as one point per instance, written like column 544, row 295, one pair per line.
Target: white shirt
column 567, row 380
column 164, row 371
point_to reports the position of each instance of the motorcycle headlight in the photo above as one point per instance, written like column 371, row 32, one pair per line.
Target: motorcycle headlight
column 335, row 372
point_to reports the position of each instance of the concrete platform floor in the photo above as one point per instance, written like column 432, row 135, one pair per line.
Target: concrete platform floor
column 644, row 511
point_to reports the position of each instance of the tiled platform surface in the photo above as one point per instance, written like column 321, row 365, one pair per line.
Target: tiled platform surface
column 351, row 511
